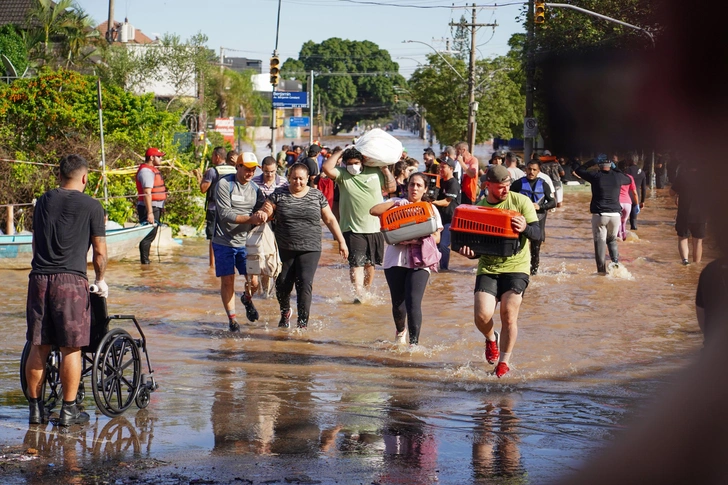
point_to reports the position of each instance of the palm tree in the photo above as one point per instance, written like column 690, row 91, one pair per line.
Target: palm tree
column 49, row 16
column 78, row 35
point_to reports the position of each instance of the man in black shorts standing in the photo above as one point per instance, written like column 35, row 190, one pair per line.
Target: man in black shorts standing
column 65, row 223
column 691, row 214
column 360, row 189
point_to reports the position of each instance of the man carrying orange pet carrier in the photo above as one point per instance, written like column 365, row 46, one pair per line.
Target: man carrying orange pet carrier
column 503, row 278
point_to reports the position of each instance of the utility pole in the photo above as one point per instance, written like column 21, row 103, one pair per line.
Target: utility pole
column 472, row 105
column 310, row 111
column 273, row 120
column 110, row 24
column 530, row 71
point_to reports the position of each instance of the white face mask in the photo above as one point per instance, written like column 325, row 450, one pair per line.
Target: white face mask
column 354, row 169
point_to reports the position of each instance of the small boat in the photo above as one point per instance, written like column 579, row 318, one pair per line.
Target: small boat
column 16, row 251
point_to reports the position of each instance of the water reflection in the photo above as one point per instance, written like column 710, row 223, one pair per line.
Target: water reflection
column 69, row 450
column 252, row 413
column 410, row 446
column 495, row 442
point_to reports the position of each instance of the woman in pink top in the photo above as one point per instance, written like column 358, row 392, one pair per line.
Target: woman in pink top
column 627, row 196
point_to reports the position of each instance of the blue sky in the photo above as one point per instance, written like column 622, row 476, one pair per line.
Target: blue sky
column 249, row 26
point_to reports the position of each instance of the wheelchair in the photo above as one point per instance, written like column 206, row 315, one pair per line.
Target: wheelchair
column 112, row 359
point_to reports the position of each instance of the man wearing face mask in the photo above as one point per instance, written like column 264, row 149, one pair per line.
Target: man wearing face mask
column 360, row 189
column 605, row 207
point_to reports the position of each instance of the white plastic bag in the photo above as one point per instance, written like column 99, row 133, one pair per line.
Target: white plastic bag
column 379, row 148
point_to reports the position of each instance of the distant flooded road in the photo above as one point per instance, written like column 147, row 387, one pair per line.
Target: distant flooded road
column 340, row 402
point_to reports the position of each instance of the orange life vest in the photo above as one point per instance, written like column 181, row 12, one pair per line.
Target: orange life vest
column 159, row 190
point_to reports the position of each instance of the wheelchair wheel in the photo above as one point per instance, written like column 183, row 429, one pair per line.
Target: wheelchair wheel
column 143, row 397
column 50, row 391
column 116, row 373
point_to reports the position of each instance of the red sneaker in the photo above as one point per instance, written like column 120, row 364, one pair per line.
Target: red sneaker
column 491, row 349
column 501, row 369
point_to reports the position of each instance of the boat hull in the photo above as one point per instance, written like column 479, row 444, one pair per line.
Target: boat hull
column 16, row 251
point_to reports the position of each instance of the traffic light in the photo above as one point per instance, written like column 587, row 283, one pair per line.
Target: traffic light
column 275, row 70
column 539, row 14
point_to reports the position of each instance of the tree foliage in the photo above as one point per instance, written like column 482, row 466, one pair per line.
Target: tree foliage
column 461, row 40
column 13, row 47
column 60, row 33
column 568, row 31
column 46, row 117
column 354, row 79
column 444, row 95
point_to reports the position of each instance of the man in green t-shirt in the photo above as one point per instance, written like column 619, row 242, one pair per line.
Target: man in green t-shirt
column 360, row 189
column 503, row 278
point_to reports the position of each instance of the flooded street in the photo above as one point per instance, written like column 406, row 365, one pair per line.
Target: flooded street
column 339, row 402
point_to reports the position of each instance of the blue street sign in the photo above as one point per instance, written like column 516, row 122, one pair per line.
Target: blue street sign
column 282, row 99
column 298, row 121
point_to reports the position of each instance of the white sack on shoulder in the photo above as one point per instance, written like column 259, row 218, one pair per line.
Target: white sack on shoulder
column 379, row 148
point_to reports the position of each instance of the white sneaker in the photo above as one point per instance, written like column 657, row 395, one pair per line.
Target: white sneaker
column 401, row 338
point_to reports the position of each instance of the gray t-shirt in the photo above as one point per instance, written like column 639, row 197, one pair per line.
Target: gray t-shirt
column 234, row 199
column 298, row 219
column 146, row 178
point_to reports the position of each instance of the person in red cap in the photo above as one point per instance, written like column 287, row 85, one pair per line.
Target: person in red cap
column 151, row 194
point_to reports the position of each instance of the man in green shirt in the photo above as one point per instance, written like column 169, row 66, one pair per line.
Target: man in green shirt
column 360, row 189
column 503, row 278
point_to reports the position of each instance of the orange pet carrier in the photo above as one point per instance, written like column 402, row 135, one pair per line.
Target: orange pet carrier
column 408, row 221
column 485, row 230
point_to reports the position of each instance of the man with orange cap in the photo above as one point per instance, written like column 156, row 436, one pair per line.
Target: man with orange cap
column 238, row 201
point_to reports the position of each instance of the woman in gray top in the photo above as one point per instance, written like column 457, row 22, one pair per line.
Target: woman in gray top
column 298, row 211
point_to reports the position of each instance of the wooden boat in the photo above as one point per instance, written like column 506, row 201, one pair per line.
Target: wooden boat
column 16, row 251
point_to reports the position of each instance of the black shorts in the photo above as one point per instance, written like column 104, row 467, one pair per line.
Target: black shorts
column 364, row 249
column 498, row 284
column 686, row 229
column 209, row 224
column 58, row 310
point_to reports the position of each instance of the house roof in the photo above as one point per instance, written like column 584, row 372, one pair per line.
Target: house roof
column 15, row 11
column 139, row 36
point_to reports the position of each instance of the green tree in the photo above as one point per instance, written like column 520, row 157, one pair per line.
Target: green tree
column 461, row 40
column 127, row 68
column 568, row 31
column 354, row 79
column 78, row 36
column 55, row 113
column 234, row 95
column 293, row 69
column 13, row 47
column 49, row 15
column 444, row 95
column 184, row 63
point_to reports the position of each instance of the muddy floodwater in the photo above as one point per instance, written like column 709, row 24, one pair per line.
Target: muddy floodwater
column 340, row 403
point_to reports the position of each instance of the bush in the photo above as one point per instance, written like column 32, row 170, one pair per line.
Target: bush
column 56, row 113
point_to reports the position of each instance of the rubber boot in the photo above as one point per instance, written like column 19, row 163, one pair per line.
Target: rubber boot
column 37, row 415
column 70, row 414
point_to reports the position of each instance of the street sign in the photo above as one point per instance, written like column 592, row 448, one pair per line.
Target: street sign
column 238, row 121
column 530, row 128
column 226, row 127
column 298, row 121
column 284, row 99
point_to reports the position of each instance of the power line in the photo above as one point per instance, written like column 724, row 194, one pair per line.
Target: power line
column 343, row 73
column 426, row 7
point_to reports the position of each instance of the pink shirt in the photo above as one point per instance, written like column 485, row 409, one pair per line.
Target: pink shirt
column 624, row 197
